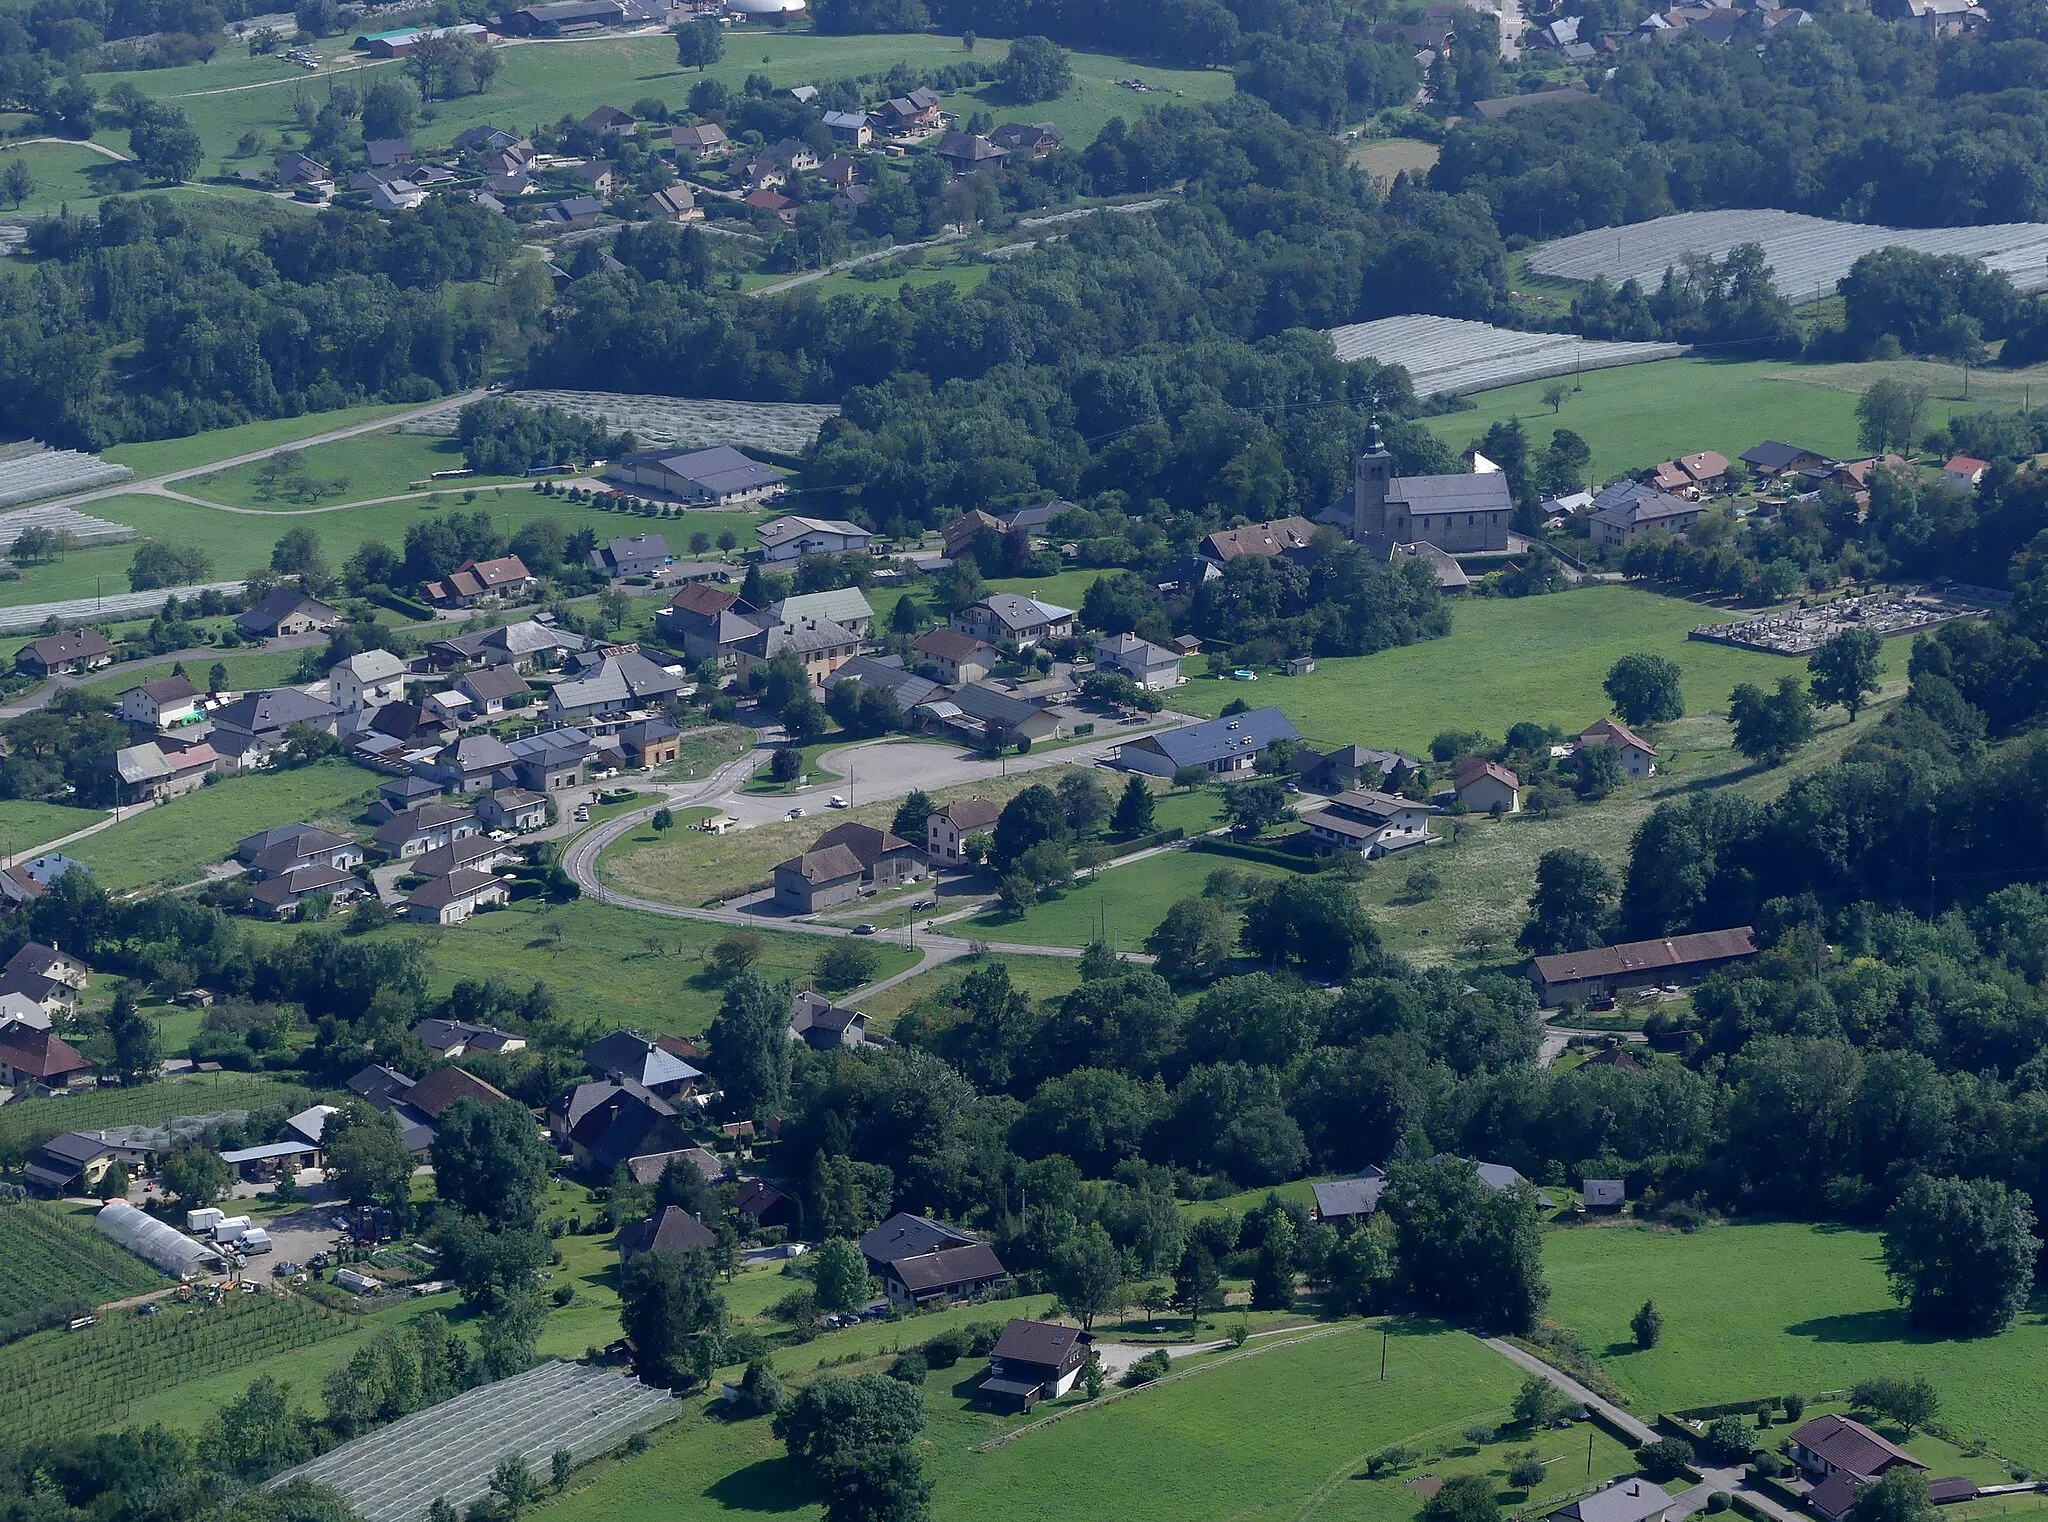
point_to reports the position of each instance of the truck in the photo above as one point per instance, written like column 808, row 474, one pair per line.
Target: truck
column 199, row 1222
column 254, row 1240
column 230, row 1228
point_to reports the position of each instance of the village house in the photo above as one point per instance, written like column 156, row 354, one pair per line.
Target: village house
column 38, row 1062
column 708, row 622
column 271, row 852
column 916, row 112
column 1964, row 470
column 1603, row 1194
column 478, row 581
column 626, row 1057
column 287, row 610
column 525, row 646
column 1637, row 754
column 1034, row 138
column 1220, row 746
column 822, row 1025
column 1602, row 970
column 1151, row 666
column 609, row 121
column 921, row 1262
column 72, row 651
column 150, row 772
column 1004, row 618
column 75, row 1162
column 707, row 140
column 1282, row 536
column 956, row 657
column 513, row 808
column 368, row 679
column 678, row 203
column 886, row 674
column 886, row 859
column 1629, row 508
column 553, row 759
column 818, row 880
column 1351, row 766
column 475, row 852
column 793, row 538
column 281, row 894
column 397, row 795
column 1487, row 787
column 472, row 764
column 764, row 1205
column 674, row 1230
column 453, row 898
column 607, row 1126
column 1034, row 1361
column 1630, row 1500
column 251, row 730
column 968, row 152
column 846, row 606
column 1346, row 1201
column 621, row 683
column 1371, row 823
column 948, row 830
column 820, row 644
column 449, row 1039
column 1840, row 1455
column 167, row 704
column 423, row 828
column 494, row 689
column 1774, row 458
column 648, row 743
column 982, row 714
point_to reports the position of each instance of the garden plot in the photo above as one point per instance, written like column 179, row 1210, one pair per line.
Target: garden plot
column 29, row 472
column 688, row 422
column 449, row 1450
column 1807, row 255
column 1450, row 355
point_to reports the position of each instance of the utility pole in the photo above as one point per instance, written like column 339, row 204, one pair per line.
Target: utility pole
column 1383, row 1355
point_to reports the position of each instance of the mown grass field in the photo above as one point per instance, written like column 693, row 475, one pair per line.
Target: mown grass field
column 1505, row 660
column 1636, row 415
column 540, row 82
column 54, row 1254
column 25, row 824
column 605, row 964
column 178, row 840
column 1119, row 906
column 246, row 669
column 66, row 175
column 1760, row 1310
column 1037, row 977
column 158, row 457
column 1285, row 1433
column 380, row 464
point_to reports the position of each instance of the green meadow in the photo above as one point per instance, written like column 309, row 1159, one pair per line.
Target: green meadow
column 1636, row 415
column 1759, row 1310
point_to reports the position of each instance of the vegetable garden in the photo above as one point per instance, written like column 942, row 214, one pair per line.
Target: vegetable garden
column 52, row 1255
column 74, row 1381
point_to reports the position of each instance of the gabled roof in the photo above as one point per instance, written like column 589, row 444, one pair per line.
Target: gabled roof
column 380, row 1085
column 473, row 754
column 866, row 842
column 1040, row 1342
column 908, row 1236
column 1849, row 1445
column 281, row 604
column 1775, row 454
column 783, row 530
column 38, row 1053
column 413, row 823
column 71, row 645
column 1604, row 1191
column 1473, row 492
column 462, row 855
column 262, row 713
column 1472, row 768
column 433, row 1094
column 1635, row 1500
column 832, row 864
column 1019, row 614
column 842, row 606
column 948, row 1267
column 1338, row 1199
column 493, row 682
column 1614, row 732
column 623, row 1054
column 972, row 814
column 952, row 645
column 1673, row 952
column 1277, row 537
column 290, row 886
column 171, row 689
column 1629, row 504
column 909, row 688
column 676, row 1231
column 992, row 706
column 1213, row 739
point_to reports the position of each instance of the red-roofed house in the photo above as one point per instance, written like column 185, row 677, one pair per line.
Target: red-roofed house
column 1637, row 754
column 39, row 1062
column 1487, row 786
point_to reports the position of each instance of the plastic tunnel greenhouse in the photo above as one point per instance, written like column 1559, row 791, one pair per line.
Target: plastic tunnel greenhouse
column 154, row 1242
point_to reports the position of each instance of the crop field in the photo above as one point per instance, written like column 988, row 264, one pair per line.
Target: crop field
column 1768, row 1309
column 688, row 422
column 155, row 457
column 543, row 81
column 176, row 841
column 1807, row 254
column 53, row 1254
column 1209, row 1444
column 1389, row 157
column 80, row 1381
column 149, row 1104
column 1635, row 417
column 1119, row 907
column 1505, row 659
column 1451, row 355
column 383, row 464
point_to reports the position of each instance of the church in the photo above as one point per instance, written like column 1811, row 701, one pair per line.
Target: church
column 1461, row 515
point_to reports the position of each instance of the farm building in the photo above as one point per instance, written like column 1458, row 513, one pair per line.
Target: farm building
column 1635, row 964
column 1216, row 745
column 717, row 476
column 793, row 538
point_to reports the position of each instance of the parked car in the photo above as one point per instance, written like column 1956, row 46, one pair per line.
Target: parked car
column 795, row 813
column 863, row 929
column 835, row 802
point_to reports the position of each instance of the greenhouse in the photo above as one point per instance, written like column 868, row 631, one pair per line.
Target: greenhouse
column 1448, row 355
column 154, row 1242
column 449, row 1450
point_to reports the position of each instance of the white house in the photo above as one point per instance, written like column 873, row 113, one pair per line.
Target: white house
column 1151, row 666
column 793, row 538
column 454, row 897
column 1486, row 786
column 1638, row 756
column 947, row 831
column 367, row 680
column 163, row 705
column 1369, row 822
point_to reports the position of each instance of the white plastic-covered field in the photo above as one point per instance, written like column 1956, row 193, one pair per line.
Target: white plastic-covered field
column 1451, row 355
column 84, row 610
column 1807, row 254
column 29, row 472
column 449, row 1450
column 78, row 528
column 686, row 421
